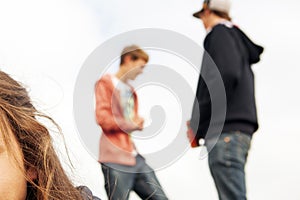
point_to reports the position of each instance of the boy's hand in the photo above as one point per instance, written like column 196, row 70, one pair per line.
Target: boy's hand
column 191, row 135
column 139, row 123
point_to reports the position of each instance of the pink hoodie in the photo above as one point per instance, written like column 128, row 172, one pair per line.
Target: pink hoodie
column 115, row 144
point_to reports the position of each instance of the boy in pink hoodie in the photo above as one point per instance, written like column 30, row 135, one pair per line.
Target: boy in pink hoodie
column 124, row 169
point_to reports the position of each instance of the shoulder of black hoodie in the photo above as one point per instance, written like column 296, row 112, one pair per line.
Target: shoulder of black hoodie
column 223, row 35
column 223, row 47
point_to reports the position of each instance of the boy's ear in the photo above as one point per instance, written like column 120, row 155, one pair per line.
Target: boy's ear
column 127, row 59
column 31, row 173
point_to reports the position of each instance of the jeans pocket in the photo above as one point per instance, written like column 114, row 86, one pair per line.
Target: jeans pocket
column 231, row 150
column 236, row 149
column 244, row 143
column 246, row 140
column 221, row 153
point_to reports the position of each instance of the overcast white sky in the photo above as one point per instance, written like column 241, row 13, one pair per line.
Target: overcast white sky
column 44, row 43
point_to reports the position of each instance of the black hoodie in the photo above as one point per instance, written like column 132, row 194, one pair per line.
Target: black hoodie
column 233, row 53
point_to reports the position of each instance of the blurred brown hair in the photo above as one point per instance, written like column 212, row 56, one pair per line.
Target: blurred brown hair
column 135, row 53
column 222, row 14
column 18, row 121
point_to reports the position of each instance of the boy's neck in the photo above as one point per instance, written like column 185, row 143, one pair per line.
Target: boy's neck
column 121, row 74
column 215, row 20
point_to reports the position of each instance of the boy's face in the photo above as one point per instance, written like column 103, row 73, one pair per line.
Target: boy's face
column 204, row 16
column 135, row 68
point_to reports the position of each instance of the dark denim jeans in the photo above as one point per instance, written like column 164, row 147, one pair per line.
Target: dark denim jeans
column 227, row 162
column 121, row 179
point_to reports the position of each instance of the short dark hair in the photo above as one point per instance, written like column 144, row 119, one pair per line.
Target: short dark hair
column 222, row 14
column 135, row 53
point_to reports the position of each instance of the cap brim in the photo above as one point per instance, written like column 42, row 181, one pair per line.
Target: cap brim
column 197, row 14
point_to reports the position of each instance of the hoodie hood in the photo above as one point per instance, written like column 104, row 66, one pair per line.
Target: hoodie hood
column 254, row 50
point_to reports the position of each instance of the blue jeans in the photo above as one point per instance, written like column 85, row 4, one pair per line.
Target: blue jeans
column 121, row 179
column 227, row 161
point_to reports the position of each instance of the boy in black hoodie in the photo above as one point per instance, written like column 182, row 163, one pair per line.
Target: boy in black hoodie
column 233, row 53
